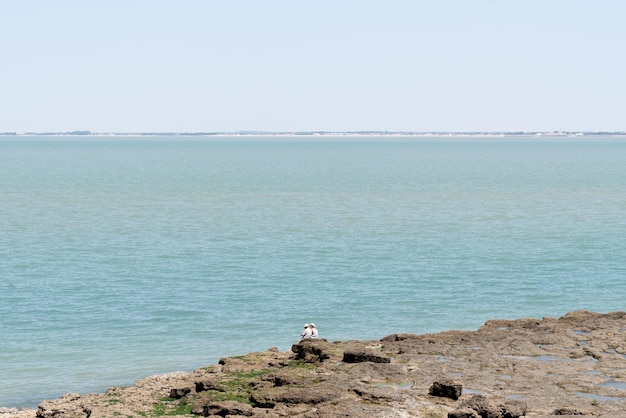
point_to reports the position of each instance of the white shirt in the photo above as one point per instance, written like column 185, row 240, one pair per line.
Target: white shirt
column 306, row 333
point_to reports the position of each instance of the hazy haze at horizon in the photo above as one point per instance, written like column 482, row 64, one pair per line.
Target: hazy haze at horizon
column 171, row 66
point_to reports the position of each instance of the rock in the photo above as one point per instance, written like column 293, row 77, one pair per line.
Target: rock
column 281, row 379
column 463, row 413
column 205, row 406
column 514, row 409
column 16, row 413
column 289, row 395
column 376, row 372
column 227, row 408
column 359, row 356
column 483, row 407
column 400, row 337
column 201, row 405
column 378, row 394
column 67, row 405
column 177, row 393
column 204, row 385
column 567, row 411
column 311, row 350
column 231, row 364
column 446, row 388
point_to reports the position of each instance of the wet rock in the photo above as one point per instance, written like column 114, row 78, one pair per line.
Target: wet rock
column 178, row 393
column 360, row 356
column 446, row 388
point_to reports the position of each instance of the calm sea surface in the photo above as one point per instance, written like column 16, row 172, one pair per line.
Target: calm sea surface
column 125, row 257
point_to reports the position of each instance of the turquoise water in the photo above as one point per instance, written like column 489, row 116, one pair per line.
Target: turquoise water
column 124, row 257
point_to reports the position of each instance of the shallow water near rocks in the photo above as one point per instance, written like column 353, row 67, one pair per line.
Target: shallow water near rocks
column 599, row 398
column 614, row 384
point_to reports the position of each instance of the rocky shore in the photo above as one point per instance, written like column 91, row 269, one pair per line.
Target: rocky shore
column 552, row 367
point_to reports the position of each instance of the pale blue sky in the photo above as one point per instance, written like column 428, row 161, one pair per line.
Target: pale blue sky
column 228, row 65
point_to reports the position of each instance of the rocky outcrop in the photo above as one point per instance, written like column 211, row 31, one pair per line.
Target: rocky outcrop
column 446, row 388
column 570, row 366
column 481, row 406
column 207, row 408
column 312, row 350
column 359, row 356
column 70, row 405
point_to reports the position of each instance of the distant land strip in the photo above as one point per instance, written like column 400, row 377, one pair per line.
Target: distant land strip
column 330, row 133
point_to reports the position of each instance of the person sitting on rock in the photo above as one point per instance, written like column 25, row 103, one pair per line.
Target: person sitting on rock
column 307, row 333
column 314, row 332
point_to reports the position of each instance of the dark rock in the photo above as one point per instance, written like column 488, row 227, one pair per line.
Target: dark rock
column 227, row 408
column 514, row 409
column 205, row 407
column 201, row 406
column 567, row 411
column 231, row 364
column 359, row 356
column 68, row 405
column 400, row 337
column 204, row 385
column 281, row 379
column 311, row 350
column 289, row 395
column 177, row 393
column 446, row 388
column 463, row 413
column 483, row 407
column 378, row 394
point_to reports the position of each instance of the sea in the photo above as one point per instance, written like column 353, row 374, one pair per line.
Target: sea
column 124, row 257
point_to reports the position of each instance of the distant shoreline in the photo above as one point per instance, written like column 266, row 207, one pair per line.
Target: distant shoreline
column 488, row 134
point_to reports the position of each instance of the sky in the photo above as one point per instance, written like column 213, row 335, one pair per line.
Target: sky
column 311, row 65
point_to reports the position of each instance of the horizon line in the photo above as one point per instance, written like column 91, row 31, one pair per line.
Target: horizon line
column 313, row 133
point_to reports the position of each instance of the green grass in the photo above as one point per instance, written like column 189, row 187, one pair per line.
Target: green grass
column 170, row 406
column 113, row 401
column 301, row 364
column 237, row 386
